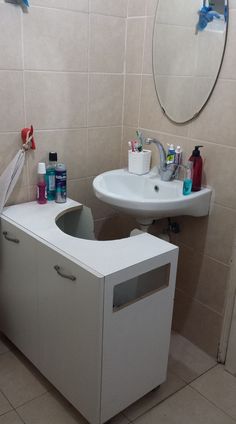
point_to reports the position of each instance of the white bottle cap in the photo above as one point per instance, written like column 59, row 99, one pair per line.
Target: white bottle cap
column 178, row 149
column 41, row 168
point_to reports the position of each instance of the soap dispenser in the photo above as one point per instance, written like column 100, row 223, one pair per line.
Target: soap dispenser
column 197, row 169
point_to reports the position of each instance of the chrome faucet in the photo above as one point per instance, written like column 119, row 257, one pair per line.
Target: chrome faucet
column 167, row 171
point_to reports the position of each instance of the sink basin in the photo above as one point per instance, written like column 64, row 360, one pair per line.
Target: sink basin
column 147, row 196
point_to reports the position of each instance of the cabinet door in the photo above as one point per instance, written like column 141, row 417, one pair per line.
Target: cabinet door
column 70, row 313
column 18, row 289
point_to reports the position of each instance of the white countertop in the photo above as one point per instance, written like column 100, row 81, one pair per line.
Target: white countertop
column 104, row 257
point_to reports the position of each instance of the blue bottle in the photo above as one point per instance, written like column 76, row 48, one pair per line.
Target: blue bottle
column 61, row 183
column 187, row 186
column 51, row 176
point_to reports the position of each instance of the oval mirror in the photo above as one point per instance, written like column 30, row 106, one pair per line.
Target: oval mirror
column 188, row 47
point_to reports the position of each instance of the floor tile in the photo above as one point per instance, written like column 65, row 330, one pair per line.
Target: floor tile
column 4, row 347
column 17, row 382
column 185, row 407
column 186, row 360
column 172, row 385
column 219, row 387
column 10, row 418
column 4, row 404
column 50, row 408
column 119, row 419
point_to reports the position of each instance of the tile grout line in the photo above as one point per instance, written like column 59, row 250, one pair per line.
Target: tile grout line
column 212, row 403
column 172, row 394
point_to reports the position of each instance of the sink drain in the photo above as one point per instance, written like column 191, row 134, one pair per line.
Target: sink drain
column 156, row 188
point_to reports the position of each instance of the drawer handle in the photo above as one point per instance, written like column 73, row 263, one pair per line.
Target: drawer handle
column 69, row 277
column 14, row 240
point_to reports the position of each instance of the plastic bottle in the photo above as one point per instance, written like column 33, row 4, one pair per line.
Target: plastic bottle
column 51, row 176
column 171, row 154
column 41, row 185
column 178, row 155
column 61, row 183
column 187, row 186
column 197, row 169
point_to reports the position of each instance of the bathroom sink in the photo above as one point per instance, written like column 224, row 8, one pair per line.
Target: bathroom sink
column 147, row 196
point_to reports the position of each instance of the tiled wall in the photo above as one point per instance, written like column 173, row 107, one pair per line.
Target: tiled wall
column 205, row 243
column 62, row 69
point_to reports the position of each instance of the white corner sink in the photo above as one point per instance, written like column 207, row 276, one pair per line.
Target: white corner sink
column 147, row 196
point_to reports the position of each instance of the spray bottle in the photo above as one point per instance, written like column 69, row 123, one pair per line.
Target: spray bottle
column 41, row 185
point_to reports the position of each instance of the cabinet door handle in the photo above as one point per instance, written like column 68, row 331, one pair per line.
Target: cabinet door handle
column 69, row 277
column 14, row 240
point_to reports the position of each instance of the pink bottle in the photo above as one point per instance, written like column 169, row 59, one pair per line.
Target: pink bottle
column 41, row 185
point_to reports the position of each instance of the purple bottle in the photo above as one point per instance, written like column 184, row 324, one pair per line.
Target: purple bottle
column 41, row 185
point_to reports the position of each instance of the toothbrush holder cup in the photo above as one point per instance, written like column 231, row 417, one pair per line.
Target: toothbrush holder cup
column 139, row 162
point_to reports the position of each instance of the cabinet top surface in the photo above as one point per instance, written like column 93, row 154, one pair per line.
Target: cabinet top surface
column 103, row 257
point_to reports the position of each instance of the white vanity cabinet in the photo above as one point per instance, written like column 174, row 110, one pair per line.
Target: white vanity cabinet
column 18, row 289
column 93, row 316
column 70, row 322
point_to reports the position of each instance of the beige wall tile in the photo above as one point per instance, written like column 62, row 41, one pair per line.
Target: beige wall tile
column 12, row 101
column 56, row 100
column 212, row 235
column 79, row 5
column 109, row 7
column 104, row 145
column 217, row 121
column 10, row 40
column 10, row 143
column 77, row 190
column 150, row 113
column 219, row 172
column 202, row 278
column 107, row 44
column 47, row 48
column 151, row 7
column 132, row 100
column 137, row 7
column 71, row 148
column 147, row 58
column 228, row 69
column 105, row 101
column 196, row 322
column 134, row 45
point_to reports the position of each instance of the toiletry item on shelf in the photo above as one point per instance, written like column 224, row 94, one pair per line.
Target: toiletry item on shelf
column 197, row 169
column 178, row 155
column 51, row 175
column 187, row 186
column 61, row 183
column 170, row 154
column 41, row 185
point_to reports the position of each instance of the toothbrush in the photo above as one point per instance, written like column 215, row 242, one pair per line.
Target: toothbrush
column 131, row 144
column 141, row 139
